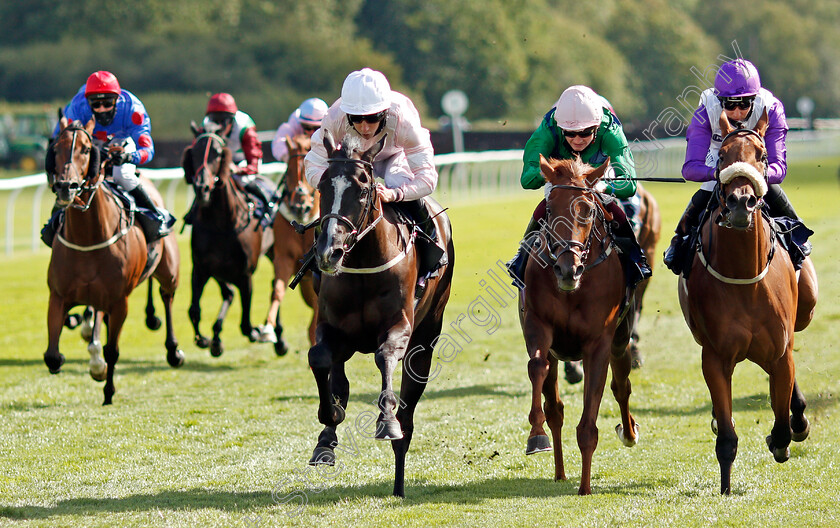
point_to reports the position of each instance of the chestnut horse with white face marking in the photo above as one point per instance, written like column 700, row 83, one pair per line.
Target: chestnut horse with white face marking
column 100, row 254
column 574, row 308
column 298, row 203
column 367, row 301
column 743, row 299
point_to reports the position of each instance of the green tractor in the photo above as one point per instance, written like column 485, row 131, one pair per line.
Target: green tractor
column 23, row 140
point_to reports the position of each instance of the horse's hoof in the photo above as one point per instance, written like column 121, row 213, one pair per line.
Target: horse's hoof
column 54, row 363
column 780, row 454
column 216, row 348
column 202, row 342
column 322, row 456
column 253, row 335
column 153, row 322
column 266, row 334
column 72, row 321
column 573, row 372
column 98, row 370
column 714, row 425
column 281, row 348
column 629, row 442
column 175, row 359
column 538, row 444
column 388, row 429
column 635, row 357
column 802, row 435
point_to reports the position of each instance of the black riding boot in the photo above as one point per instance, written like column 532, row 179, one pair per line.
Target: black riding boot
column 676, row 252
column 432, row 255
column 255, row 190
column 780, row 205
column 516, row 265
column 160, row 225
column 51, row 227
column 637, row 268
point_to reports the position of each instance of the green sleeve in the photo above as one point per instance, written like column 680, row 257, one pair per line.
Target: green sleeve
column 540, row 142
column 614, row 145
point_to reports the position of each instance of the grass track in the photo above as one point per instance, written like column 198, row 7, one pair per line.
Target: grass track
column 224, row 442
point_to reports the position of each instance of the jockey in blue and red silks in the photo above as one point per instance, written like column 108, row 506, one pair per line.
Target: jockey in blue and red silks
column 121, row 121
column 737, row 93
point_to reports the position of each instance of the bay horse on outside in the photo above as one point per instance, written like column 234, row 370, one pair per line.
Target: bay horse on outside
column 100, row 254
column 298, row 204
column 574, row 309
column 226, row 235
column 744, row 300
column 367, row 301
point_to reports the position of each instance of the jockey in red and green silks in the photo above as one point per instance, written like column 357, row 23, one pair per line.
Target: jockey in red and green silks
column 583, row 124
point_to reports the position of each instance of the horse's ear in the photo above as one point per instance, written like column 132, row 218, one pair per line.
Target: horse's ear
column 89, row 126
column 598, row 173
column 329, row 143
column 547, row 171
column 371, row 153
column 196, row 130
column 93, row 163
column 187, row 165
column 49, row 162
column 761, row 126
column 62, row 122
column 725, row 126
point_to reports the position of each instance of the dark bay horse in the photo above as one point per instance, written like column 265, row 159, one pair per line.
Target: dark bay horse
column 226, row 235
column 743, row 299
column 574, row 309
column 366, row 302
column 100, row 254
column 298, row 204
column 650, row 225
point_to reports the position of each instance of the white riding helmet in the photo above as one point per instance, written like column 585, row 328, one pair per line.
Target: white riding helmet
column 312, row 111
column 365, row 92
column 578, row 108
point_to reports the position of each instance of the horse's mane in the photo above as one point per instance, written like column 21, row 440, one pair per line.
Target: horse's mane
column 573, row 168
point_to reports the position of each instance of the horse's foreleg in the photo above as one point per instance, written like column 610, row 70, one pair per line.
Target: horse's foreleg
column 538, row 342
column 199, row 280
column 307, row 290
column 56, row 312
column 781, row 391
column 216, row 348
column 267, row 332
column 806, row 300
column 718, row 375
column 97, row 367
column 555, row 416
column 390, row 351
column 152, row 320
column 799, row 424
column 330, row 412
column 174, row 355
column 246, row 289
column 116, row 319
column 595, row 361
column 620, row 364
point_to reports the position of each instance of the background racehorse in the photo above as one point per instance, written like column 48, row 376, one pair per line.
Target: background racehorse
column 743, row 299
column 650, row 225
column 226, row 235
column 573, row 308
column 298, row 203
column 367, row 302
column 101, row 254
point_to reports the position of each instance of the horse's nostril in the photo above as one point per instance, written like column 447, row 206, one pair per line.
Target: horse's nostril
column 751, row 202
column 731, row 201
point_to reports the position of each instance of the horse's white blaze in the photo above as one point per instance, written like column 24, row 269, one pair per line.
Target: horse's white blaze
column 339, row 186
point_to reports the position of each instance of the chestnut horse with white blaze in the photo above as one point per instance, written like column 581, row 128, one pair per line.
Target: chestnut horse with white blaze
column 743, row 298
column 100, row 254
column 576, row 308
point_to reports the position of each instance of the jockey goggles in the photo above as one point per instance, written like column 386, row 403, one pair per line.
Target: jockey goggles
column 370, row 118
column 586, row 132
column 731, row 103
column 105, row 104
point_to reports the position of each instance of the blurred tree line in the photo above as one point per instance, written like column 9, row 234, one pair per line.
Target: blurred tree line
column 513, row 59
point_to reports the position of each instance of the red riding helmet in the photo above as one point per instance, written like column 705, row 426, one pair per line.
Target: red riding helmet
column 102, row 83
column 222, row 102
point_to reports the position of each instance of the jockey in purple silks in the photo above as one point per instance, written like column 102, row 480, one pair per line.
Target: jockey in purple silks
column 739, row 94
column 305, row 120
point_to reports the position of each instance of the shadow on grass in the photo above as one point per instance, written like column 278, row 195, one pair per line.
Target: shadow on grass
column 429, row 394
column 289, row 501
column 754, row 402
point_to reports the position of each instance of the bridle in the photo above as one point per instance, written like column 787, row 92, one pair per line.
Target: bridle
column 74, row 186
column 369, row 194
column 213, row 137
column 577, row 248
column 724, row 214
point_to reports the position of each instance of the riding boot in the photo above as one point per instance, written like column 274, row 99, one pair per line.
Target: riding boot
column 267, row 215
column 51, row 227
column 431, row 254
column 631, row 208
column 780, row 205
column 635, row 260
column 677, row 251
column 161, row 223
column 516, row 265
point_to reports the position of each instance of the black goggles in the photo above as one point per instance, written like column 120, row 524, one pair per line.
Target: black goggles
column 742, row 103
column 585, row 133
column 370, row 118
column 310, row 128
column 106, row 104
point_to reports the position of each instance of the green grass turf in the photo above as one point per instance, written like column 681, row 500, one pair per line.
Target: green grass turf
column 225, row 441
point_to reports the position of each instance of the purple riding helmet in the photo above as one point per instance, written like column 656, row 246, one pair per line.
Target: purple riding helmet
column 737, row 78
